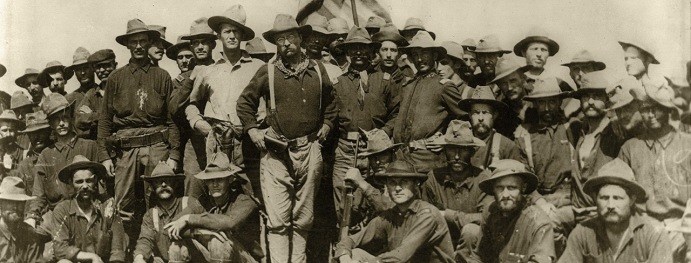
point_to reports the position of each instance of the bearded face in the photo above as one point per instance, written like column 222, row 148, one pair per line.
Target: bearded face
column 507, row 192
column 12, row 211
column 164, row 188
column 593, row 104
column 84, row 183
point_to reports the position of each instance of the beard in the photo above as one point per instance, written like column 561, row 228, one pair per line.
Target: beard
column 592, row 112
column 85, row 194
column 480, row 129
column 164, row 193
column 550, row 117
column 510, row 204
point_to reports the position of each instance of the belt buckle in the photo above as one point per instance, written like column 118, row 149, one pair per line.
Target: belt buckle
column 301, row 141
column 123, row 143
column 352, row 136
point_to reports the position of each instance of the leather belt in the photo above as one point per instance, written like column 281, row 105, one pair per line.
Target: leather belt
column 302, row 140
column 140, row 140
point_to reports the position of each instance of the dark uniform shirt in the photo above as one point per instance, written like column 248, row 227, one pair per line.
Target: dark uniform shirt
column 20, row 244
column 78, row 95
column 507, row 150
column 137, row 97
column 85, row 121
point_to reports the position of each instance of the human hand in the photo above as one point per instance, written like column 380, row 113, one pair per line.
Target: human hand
column 110, row 168
column 257, row 138
column 323, row 132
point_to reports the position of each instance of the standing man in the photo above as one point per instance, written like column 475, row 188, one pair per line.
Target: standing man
column 54, row 76
column 487, row 53
column 29, row 82
column 257, row 49
column 485, row 111
column 469, row 58
column 84, row 73
column 451, row 67
column 159, row 45
column 302, row 110
column 387, row 71
column 536, row 48
column 374, row 23
column 10, row 151
column 135, row 130
column 515, row 230
column 513, row 86
column 18, row 241
column 638, row 58
column 216, row 90
column 581, row 64
column 182, row 54
column 38, row 131
column 428, row 103
column 619, row 233
column 202, row 41
column 87, row 115
column 412, row 26
column 319, row 39
column 412, row 231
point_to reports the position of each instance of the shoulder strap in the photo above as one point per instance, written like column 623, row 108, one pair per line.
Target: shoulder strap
column 321, row 85
column 529, row 149
column 271, row 68
column 154, row 214
column 496, row 143
column 184, row 201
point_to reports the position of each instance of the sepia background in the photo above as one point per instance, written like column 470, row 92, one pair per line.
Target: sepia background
column 35, row 32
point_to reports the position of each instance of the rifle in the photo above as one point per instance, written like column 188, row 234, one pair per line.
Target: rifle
column 348, row 194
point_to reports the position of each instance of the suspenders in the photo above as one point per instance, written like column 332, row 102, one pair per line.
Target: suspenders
column 156, row 216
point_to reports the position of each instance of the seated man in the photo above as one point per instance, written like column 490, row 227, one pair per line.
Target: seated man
column 18, row 241
column 619, row 231
column 515, row 230
column 10, row 152
column 90, row 231
column 227, row 227
column 412, row 231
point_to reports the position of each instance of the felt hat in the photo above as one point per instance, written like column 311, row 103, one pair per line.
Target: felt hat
column 172, row 51
column 36, row 121
column 219, row 166
column 256, row 49
column 508, row 167
column 3, row 70
column 483, row 94
column 43, row 77
column 584, row 57
column 136, row 26
column 536, row 35
column 358, row 35
column 80, row 162
column 505, row 67
column 235, row 15
column 80, row 57
column 683, row 224
column 162, row 33
column 453, row 49
column 319, row 24
column 645, row 47
column 664, row 97
column 615, row 172
column 374, row 23
column 338, row 27
column 490, row 44
column 620, row 99
column 200, row 29
column 102, row 55
column 415, row 23
column 377, row 141
column 284, row 23
column 389, row 32
column 21, row 81
column 54, row 103
column 401, row 169
column 546, row 88
column 469, row 44
column 20, row 99
column 592, row 82
column 459, row 133
column 9, row 116
column 423, row 40
column 13, row 188
column 162, row 170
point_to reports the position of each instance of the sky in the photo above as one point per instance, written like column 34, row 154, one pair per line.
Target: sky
column 36, row 32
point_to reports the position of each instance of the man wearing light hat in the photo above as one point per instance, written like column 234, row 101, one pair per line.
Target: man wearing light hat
column 226, row 226
column 374, row 23
column 54, row 76
column 387, row 70
column 29, row 81
column 619, row 233
column 628, row 122
column 135, row 129
column 428, row 103
column 453, row 189
column 321, row 38
column 84, row 73
column 217, row 88
column 536, row 48
column 38, row 133
column 257, row 49
column 87, row 228
column 637, row 58
column 338, row 29
column 412, row 26
column 87, row 112
column 202, row 40
column 18, row 241
column 301, row 111
column 487, row 52
column 158, row 45
column 21, row 104
column 10, row 151
column 469, row 58
column 411, row 231
column 451, row 67
column 515, row 230
column 583, row 63
column 486, row 113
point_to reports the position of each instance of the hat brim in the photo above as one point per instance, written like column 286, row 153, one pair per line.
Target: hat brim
column 416, row 176
column 593, row 185
column 578, row 93
column 263, row 56
column 66, row 173
column 561, row 95
column 522, row 45
column 443, row 141
column 205, row 175
column 215, row 23
column 397, row 39
column 597, row 65
column 69, row 107
column 16, row 197
column 122, row 39
column 200, row 36
column 172, row 51
column 20, row 125
column 499, row 106
column 165, row 176
column 625, row 45
column 43, row 76
column 432, row 34
column 302, row 30
column 365, row 154
column 507, row 73
column 71, row 67
column 35, row 128
column 21, row 81
column 530, row 179
column 441, row 52
column 355, row 42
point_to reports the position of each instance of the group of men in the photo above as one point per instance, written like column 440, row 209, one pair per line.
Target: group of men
column 431, row 152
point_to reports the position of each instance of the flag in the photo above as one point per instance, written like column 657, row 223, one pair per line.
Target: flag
column 343, row 9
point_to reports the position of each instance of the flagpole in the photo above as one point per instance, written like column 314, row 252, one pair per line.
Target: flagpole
column 355, row 19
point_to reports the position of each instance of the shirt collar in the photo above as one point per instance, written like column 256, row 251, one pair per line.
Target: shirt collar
column 663, row 141
column 133, row 67
column 5, row 231
column 74, row 207
column 173, row 208
column 244, row 58
column 60, row 146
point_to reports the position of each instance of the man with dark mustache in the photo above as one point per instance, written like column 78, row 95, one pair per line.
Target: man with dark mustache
column 488, row 51
column 86, row 118
column 620, row 232
column 514, row 86
column 54, row 77
column 387, row 71
column 38, row 131
column 581, row 64
column 454, row 188
column 29, row 82
column 18, row 241
column 319, row 39
column 158, row 45
column 84, row 73
column 10, row 150
column 89, row 230
column 515, row 230
column 182, row 54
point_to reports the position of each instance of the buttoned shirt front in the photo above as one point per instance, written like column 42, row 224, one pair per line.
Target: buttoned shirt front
column 20, row 245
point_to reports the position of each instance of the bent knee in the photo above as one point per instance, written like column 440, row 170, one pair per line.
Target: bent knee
column 470, row 233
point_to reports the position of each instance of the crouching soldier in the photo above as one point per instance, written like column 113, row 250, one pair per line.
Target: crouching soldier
column 18, row 240
column 90, row 231
column 412, row 231
column 226, row 229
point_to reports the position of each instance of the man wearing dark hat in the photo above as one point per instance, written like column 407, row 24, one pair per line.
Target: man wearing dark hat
column 87, row 115
column 182, row 54
column 216, row 90
column 55, row 76
column 136, row 130
column 487, row 53
column 257, row 49
column 319, row 39
column 536, row 48
column 513, row 86
column 202, row 41
column 453, row 189
column 515, row 230
column 21, row 104
column 18, row 241
column 486, row 113
column 153, row 243
column 84, row 73
column 374, row 23
column 226, row 227
column 619, row 233
column 412, row 231
column 10, row 151
column 158, row 45
column 451, row 67
column 301, row 111
column 48, row 190
column 29, row 81
column 387, row 71
column 412, row 26
column 583, row 63
column 38, row 133
column 88, row 229
column 428, row 103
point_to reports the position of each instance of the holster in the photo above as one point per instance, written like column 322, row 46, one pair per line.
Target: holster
column 275, row 145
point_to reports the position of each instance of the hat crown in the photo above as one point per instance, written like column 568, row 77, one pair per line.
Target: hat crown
column 236, row 13
column 453, row 49
column 338, row 25
column 510, row 166
column 160, row 29
column 19, row 99
column 358, row 33
column 12, row 185
column 469, row 42
column 284, row 22
column 375, row 21
column 220, row 162
column 256, row 45
column 136, row 25
column 81, row 55
column 414, row 23
column 53, row 102
column 505, row 65
column 31, row 71
column 162, row 169
column 583, row 56
column 489, row 43
column 545, row 87
column 422, row 39
column 317, row 21
column 8, row 115
column 389, row 32
column 101, row 55
column 200, row 26
column 400, row 167
column 537, row 32
column 617, row 168
column 594, row 80
column 36, row 119
column 53, row 63
column 459, row 132
column 483, row 93
column 377, row 141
